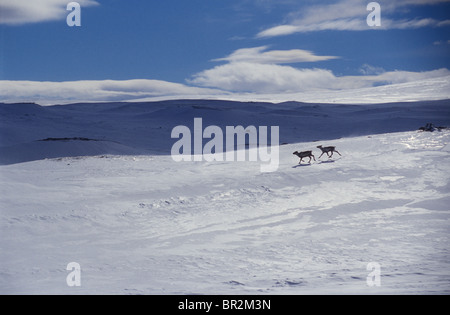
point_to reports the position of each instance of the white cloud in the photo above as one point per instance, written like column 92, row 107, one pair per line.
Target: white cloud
column 107, row 90
column 441, row 42
column 259, row 70
column 354, row 24
column 387, row 78
column 16, row 12
column 270, row 78
column 260, row 55
column 416, row 23
column 367, row 69
column 240, row 81
column 262, row 78
column 417, row 2
column 350, row 15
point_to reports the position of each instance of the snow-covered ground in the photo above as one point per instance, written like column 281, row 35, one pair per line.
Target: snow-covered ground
column 139, row 223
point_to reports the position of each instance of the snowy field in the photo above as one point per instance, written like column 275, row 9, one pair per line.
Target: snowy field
column 139, row 223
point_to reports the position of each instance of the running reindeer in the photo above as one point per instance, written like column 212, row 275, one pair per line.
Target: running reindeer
column 328, row 150
column 304, row 154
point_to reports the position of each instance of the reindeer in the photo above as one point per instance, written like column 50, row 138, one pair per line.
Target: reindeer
column 327, row 150
column 304, row 154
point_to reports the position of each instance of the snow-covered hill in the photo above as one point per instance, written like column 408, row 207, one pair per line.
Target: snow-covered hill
column 121, row 128
column 111, row 198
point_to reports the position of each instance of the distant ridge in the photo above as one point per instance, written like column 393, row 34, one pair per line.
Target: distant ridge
column 31, row 132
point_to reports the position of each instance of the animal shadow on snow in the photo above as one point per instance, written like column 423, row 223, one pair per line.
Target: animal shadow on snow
column 300, row 165
column 329, row 161
column 319, row 162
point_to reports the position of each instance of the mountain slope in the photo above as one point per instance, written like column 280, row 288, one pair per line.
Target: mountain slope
column 145, row 224
column 147, row 127
column 141, row 223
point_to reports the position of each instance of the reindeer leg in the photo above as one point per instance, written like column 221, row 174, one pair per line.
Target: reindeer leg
column 321, row 155
column 313, row 157
column 300, row 161
column 337, row 152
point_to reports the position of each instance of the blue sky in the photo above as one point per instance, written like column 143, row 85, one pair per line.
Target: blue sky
column 235, row 46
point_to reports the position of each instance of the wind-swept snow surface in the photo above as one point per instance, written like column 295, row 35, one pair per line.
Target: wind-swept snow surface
column 142, row 223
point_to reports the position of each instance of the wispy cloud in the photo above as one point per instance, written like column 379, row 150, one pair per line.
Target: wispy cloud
column 379, row 78
column 441, row 42
column 17, row 12
column 367, row 69
column 350, row 15
column 261, row 55
column 242, row 81
column 105, row 90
